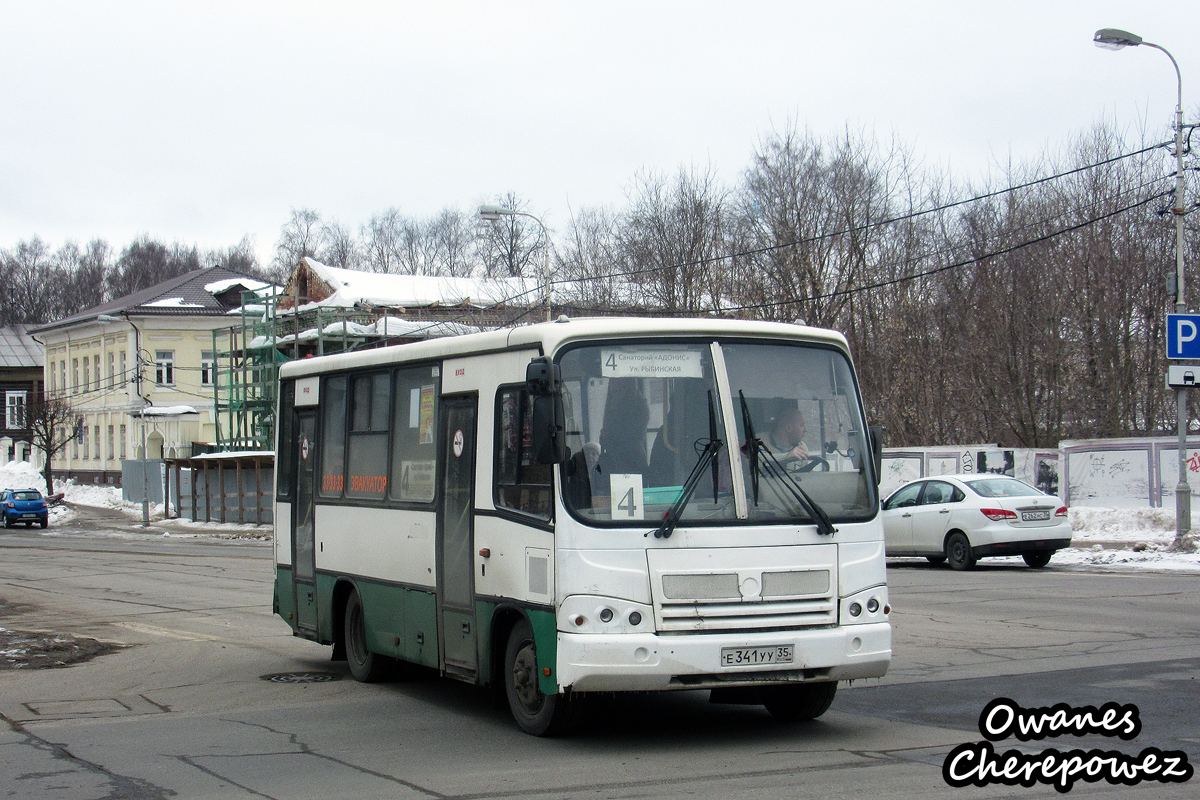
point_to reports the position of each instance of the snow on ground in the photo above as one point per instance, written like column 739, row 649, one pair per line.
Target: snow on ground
column 1117, row 539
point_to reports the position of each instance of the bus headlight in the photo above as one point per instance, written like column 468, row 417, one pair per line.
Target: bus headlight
column 869, row 605
column 583, row 613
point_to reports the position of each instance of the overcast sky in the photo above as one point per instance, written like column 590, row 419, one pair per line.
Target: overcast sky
column 208, row 121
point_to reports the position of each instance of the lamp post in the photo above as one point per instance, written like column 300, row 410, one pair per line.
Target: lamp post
column 105, row 319
column 490, row 212
column 1114, row 39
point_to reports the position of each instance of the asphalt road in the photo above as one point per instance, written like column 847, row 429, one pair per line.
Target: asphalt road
column 183, row 708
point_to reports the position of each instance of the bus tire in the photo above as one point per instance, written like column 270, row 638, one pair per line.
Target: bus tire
column 364, row 665
column 799, row 702
column 536, row 713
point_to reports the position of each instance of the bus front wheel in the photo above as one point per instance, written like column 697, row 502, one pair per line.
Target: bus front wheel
column 800, row 702
column 365, row 666
column 536, row 713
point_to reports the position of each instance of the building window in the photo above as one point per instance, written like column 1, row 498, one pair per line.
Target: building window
column 78, row 437
column 97, row 363
column 122, row 442
column 124, row 369
column 15, row 418
column 53, row 374
column 87, row 374
column 74, row 376
column 208, row 367
column 111, row 382
column 63, row 365
column 164, row 367
column 82, row 438
column 112, row 453
column 96, row 442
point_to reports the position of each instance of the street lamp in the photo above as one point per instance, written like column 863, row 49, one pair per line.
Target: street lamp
column 106, row 319
column 493, row 213
column 1115, row 39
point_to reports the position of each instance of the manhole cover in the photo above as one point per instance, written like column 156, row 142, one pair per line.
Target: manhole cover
column 301, row 677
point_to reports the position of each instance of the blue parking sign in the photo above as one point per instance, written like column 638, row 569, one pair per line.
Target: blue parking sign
column 1183, row 335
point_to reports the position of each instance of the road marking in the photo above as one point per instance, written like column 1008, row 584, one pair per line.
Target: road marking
column 156, row 631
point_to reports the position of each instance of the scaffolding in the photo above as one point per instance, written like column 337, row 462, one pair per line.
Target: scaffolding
column 246, row 366
column 247, row 358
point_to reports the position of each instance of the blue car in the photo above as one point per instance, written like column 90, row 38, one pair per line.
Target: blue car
column 24, row 505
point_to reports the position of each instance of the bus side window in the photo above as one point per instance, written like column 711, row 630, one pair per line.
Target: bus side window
column 286, row 449
column 333, row 437
column 521, row 483
column 414, row 435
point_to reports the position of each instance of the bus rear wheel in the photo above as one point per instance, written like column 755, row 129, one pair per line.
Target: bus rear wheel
column 800, row 702
column 365, row 666
column 536, row 713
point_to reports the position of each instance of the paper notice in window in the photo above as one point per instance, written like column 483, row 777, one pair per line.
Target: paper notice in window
column 627, row 496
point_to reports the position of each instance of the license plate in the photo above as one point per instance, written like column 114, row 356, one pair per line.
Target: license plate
column 1034, row 516
column 29, row 516
column 753, row 656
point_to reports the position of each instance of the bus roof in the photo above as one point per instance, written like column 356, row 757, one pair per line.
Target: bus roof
column 550, row 336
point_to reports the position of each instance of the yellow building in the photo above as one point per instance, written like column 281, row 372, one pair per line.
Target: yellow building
column 140, row 367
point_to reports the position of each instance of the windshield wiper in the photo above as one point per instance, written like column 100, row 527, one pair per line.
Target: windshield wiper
column 671, row 518
column 707, row 456
column 756, row 449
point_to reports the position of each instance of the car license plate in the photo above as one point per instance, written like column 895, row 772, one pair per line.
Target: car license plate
column 755, row 656
column 1034, row 516
column 29, row 516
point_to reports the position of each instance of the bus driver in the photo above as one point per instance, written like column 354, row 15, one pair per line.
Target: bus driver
column 786, row 440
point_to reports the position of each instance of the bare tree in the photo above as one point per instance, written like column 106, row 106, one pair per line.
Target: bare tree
column 381, row 238
column 339, row 246
column 672, row 236
column 510, row 247
column 51, row 422
column 299, row 237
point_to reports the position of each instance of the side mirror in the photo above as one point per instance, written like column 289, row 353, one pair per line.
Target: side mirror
column 549, row 434
column 876, row 434
column 543, row 382
column 543, row 377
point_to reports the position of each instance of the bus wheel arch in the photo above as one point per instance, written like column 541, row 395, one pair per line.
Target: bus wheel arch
column 535, row 713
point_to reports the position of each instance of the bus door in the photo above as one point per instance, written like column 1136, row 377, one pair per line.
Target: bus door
column 456, row 537
column 303, row 530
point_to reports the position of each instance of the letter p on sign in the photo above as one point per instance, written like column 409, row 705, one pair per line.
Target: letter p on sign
column 1183, row 335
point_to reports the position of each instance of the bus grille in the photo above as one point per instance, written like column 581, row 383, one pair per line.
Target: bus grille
column 714, row 601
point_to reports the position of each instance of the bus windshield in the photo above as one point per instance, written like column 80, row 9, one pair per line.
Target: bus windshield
column 641, row 416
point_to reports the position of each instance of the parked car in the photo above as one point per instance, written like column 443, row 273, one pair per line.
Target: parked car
column 961, row 518
column 24, row 505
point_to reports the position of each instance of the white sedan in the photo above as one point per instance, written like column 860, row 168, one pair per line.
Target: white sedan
column 961, row 518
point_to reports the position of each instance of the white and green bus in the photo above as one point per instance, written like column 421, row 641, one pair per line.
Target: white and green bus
column 596, row 505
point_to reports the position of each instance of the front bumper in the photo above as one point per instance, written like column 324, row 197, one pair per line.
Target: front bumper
column 649, row 662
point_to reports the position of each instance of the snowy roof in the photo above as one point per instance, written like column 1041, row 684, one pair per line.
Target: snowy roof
column 385, row 327
column 353, row 288
column 246, row 283
column 194, row 293
column 172, row 302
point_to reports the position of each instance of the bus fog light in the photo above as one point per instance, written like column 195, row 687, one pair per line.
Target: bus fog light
column 855, row 609
column 635, row 618
column 872, row 605
column 606, row 615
